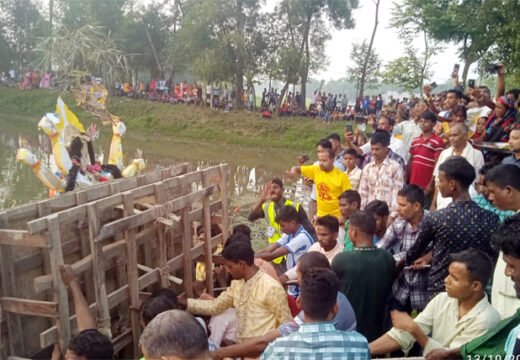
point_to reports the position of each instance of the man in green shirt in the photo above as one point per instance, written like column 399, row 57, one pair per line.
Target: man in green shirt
column 349, row 202
column 498, row 341
column 366, row 275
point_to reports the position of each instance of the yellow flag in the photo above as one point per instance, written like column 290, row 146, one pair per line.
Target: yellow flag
column 67, row 116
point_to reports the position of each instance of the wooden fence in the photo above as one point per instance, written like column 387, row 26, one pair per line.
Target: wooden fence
column 120, row 238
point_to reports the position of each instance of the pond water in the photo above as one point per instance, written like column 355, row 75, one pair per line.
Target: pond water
column 249, row 167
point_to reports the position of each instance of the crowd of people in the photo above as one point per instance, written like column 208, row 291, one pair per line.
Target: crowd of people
column 410, row 246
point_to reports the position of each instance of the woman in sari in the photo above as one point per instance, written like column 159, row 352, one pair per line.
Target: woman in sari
column 501, row 121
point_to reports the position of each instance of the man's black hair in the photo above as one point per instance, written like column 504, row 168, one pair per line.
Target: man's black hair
column 351, row 196
column 156, row 305
column 459, row 169
column 504, row 175
column 330, row 222
column 478, row 264
column 312, row 260
column 277, row 181
column 239, row 251
column 168, row 293
column 381, row 137
column 238, row 236
column 485, row 169
column 319, row 291
column 242, row 228
column 377, row 207
column 324, row 143
column 413, row 194
column 457, row 93
column 92, row 345
column 390, row 119
column 429, row 115
column 506, row 238
column 334, row 136
column 364, row 221
column 287, row 213
column 350, row 151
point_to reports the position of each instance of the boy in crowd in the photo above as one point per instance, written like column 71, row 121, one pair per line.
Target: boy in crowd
column 383, row 177
column 260, row 300
column 424, row 152
column 329, row 180
column 378, row 209
column 366, row 275
column 462, row 225
column 295, row 242
column 317, row 335
column 451, row 318
column 349, row 202
column 350, row 159
column 327, row 244
column 410, row 288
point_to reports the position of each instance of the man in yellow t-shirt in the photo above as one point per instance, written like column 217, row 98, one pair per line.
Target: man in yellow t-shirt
column 330, row 182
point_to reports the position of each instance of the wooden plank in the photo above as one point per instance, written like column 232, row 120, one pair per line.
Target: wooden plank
column 44, row 282
column 99, row 192
column 208, row 253
column 132, row 274
column 103, row 313
column 30, row 307
column 161, row 250
column 223, row 184
column 60, row 291
column 172, row 278
column 9, row 289
column 22, row 238
column 132, row 222
column 186, row 246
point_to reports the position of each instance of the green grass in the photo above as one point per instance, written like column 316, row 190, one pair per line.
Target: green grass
column 183, row 121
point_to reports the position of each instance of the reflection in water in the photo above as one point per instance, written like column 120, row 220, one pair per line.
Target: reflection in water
column 249, row 168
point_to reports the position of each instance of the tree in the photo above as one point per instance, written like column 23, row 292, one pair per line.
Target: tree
column 84, row 51
column 411, row 21
column 22, row 24
column 370, row 67
column 368, row 52
column 302, row 14
column 406, row 71
column 469, row 23
column 218, row 33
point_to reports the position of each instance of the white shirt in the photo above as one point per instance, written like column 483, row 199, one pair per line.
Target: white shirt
column 409, row 129
column 440, row 319
column 396, row 146
column 474, row 157
column 316, row 247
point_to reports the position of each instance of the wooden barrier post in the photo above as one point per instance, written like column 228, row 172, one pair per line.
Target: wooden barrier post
column 14, row 321
column 60, row 291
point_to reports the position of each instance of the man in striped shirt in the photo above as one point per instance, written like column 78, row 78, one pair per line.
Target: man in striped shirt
column 424, row 152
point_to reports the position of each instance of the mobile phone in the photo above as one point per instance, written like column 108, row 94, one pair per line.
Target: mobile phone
column 456, row 69
column 348, row 128
column 492, row 68
column 471, row 83
column 305, row 157
column 433, row 85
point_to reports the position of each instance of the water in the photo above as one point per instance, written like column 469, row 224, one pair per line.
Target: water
column 249, row 168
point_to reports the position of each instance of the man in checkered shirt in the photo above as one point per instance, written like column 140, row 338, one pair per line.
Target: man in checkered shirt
column 410, row 289
column 317, row 338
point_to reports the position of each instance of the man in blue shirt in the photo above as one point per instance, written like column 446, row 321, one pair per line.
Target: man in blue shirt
column 317, row 338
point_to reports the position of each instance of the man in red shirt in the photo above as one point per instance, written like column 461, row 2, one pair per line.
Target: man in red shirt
column 424, row 151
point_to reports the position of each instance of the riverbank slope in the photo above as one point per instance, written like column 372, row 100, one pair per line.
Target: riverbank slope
column 183, row 121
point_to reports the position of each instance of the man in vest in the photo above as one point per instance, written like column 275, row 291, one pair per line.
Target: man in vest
column 270, row 202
